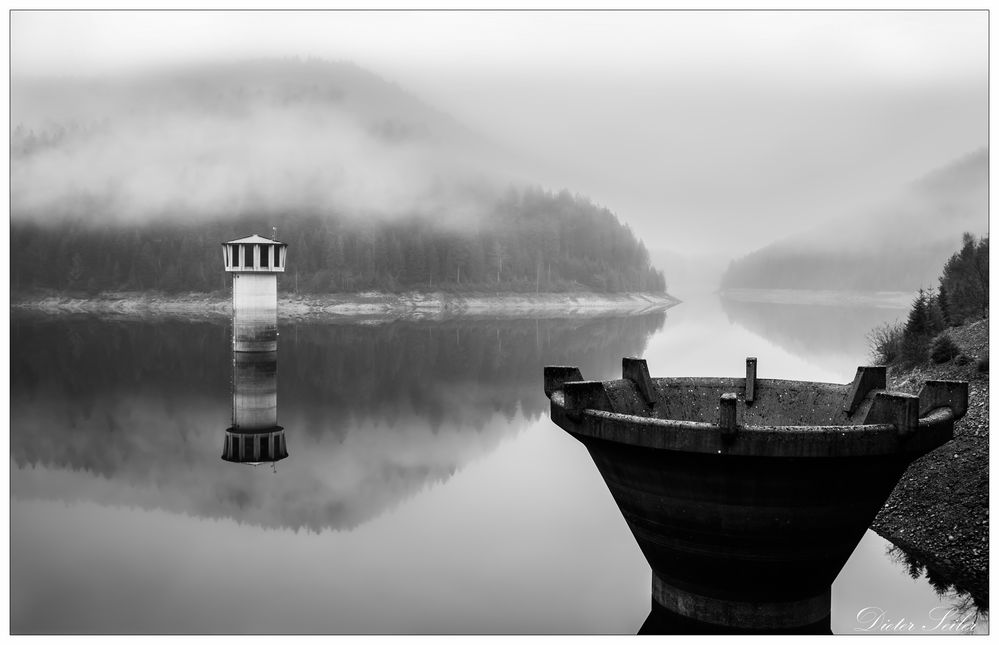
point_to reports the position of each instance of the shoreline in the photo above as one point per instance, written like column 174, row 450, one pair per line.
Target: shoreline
column 408, row 305
column 825, row 297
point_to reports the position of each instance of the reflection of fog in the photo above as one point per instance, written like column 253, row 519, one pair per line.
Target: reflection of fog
column 834, row 336
column 379, row 411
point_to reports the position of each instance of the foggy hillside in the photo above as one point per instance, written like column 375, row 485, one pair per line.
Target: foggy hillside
column 899, row 245
column 219, row 140
column 130, row 182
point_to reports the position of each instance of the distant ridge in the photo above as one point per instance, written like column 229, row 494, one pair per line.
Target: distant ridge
column 895, row 246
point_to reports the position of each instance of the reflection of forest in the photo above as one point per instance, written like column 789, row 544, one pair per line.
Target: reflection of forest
column 373, row 412
column 972, row 595
column 813, row 332
column 451, row 372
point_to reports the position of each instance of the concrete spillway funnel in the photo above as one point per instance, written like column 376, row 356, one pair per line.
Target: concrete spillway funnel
column 254, row 263
column 748, row 495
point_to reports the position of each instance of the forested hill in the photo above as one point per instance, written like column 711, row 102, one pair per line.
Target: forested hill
column 131, row 182
column 534, row 241
column 896, row 246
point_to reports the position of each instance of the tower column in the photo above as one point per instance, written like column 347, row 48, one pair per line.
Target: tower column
column 254, row 312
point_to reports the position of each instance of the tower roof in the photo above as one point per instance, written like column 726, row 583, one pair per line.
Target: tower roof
column 255, row 239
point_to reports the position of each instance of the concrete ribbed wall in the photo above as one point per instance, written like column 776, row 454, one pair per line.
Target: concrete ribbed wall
column 771, row 534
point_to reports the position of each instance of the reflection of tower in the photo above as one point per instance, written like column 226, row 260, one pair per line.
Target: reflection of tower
column 254, row 435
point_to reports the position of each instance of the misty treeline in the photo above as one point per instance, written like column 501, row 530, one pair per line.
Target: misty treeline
column 962, row 297
column 130, row 182
column 533, row 240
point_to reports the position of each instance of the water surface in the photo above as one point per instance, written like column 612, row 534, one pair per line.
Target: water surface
column 425, row 489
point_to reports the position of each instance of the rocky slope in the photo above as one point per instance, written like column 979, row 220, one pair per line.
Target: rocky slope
column 939, row 512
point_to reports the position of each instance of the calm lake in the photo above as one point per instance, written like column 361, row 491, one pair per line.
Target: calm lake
column 426, row 490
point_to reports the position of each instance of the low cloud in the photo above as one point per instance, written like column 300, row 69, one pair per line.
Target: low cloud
column 187, row 148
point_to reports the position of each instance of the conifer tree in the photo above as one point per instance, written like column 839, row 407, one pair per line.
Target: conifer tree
column 916, row 337
column 942, row 304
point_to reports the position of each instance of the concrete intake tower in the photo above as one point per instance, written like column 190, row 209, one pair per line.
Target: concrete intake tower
column 254, row 436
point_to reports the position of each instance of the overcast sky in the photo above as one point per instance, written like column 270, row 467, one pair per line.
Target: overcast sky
column 705, row 131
